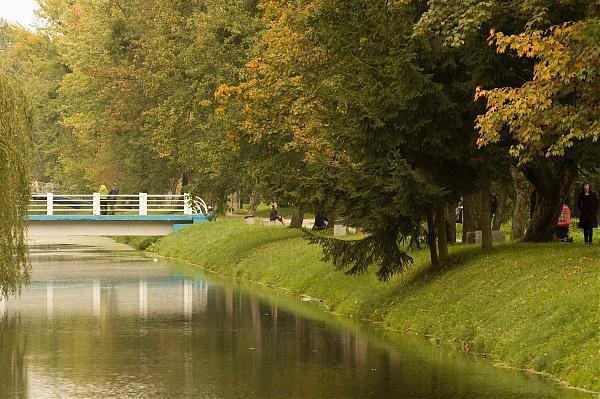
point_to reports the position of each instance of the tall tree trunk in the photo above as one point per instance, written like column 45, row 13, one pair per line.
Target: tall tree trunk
column 500, row 215
column 485, row 220
column 451, row 223
column 297, row 217
column 320, row 220
column 254, row 200
column 522, row 199
column 442, row 235
column 431, row 238
column 552, row 181
column 471, row 212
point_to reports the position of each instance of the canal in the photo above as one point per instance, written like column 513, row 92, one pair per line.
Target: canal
column 100, row 320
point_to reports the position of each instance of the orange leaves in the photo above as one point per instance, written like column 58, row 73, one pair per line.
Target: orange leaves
column 536, row 114
column 255, row 66
column 223, row 91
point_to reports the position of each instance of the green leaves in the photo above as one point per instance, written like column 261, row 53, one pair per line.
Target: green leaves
column 14, row 179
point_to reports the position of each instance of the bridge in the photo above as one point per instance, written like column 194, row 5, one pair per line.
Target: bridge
column 119, row 215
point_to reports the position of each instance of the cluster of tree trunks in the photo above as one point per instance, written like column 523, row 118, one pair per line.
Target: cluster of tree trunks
column 552, row 181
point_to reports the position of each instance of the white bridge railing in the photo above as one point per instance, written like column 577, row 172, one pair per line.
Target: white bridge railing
column 97, row 205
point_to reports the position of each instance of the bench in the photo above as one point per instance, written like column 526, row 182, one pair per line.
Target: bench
column 474, row 237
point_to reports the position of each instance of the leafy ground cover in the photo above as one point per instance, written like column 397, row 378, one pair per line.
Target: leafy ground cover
column 524, row 305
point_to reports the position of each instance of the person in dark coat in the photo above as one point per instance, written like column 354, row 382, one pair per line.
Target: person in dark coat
column 273, row 215
column 112, row 198
column 588, row 207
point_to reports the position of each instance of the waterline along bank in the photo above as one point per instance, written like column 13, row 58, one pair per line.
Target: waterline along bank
column 527, row 306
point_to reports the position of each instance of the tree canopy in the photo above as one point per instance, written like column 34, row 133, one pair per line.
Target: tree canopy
column 383, row 114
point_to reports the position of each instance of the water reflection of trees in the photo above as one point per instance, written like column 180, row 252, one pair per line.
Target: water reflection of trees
column 13, row 348
column 227, row 343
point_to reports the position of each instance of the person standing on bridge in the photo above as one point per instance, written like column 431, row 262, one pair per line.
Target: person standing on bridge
column 112, row 198
column 103, row 199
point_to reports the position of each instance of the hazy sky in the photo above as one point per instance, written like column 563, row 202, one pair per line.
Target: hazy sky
column 20, row 11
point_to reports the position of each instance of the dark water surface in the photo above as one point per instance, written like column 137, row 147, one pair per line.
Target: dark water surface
column 100, row 321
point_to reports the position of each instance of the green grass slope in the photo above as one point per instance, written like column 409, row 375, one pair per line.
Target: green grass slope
column 140, row 243
column 527, row 306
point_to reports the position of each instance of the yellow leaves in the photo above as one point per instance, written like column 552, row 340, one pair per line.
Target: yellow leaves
column 255, row 66
column 223, row 91
column 534, row 113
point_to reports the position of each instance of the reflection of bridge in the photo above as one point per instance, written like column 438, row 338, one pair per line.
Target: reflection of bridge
column 82, row 298
column 118, row 215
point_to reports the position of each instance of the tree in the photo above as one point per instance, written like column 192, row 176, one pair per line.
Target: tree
column 34, row 59
column 465, row 24
column 552, row 119
column 15, row 125
column 522, row 208
column 188, row 50
column 103, row 101
column 278, row 123
column 393, row 111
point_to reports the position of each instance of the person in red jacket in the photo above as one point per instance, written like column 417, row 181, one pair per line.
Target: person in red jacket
column 562, row 226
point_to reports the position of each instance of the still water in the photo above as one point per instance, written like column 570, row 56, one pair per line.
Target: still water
column 100, row 320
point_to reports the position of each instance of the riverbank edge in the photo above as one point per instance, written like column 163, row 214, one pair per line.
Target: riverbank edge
column 431, row 339
column 263, row 247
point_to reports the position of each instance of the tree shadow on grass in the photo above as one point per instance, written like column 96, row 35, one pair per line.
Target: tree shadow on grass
column 422, row 273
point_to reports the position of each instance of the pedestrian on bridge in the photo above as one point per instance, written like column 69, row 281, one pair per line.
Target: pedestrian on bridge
column 103, row 199
column 112, row 198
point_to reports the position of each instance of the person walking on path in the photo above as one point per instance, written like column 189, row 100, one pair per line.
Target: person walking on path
column 112, row 198
column 273, row 215
column 103, row 199
column 588, row 206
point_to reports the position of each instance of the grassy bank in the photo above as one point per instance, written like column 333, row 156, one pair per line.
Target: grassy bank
column 140, row 243
column 528, row 306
